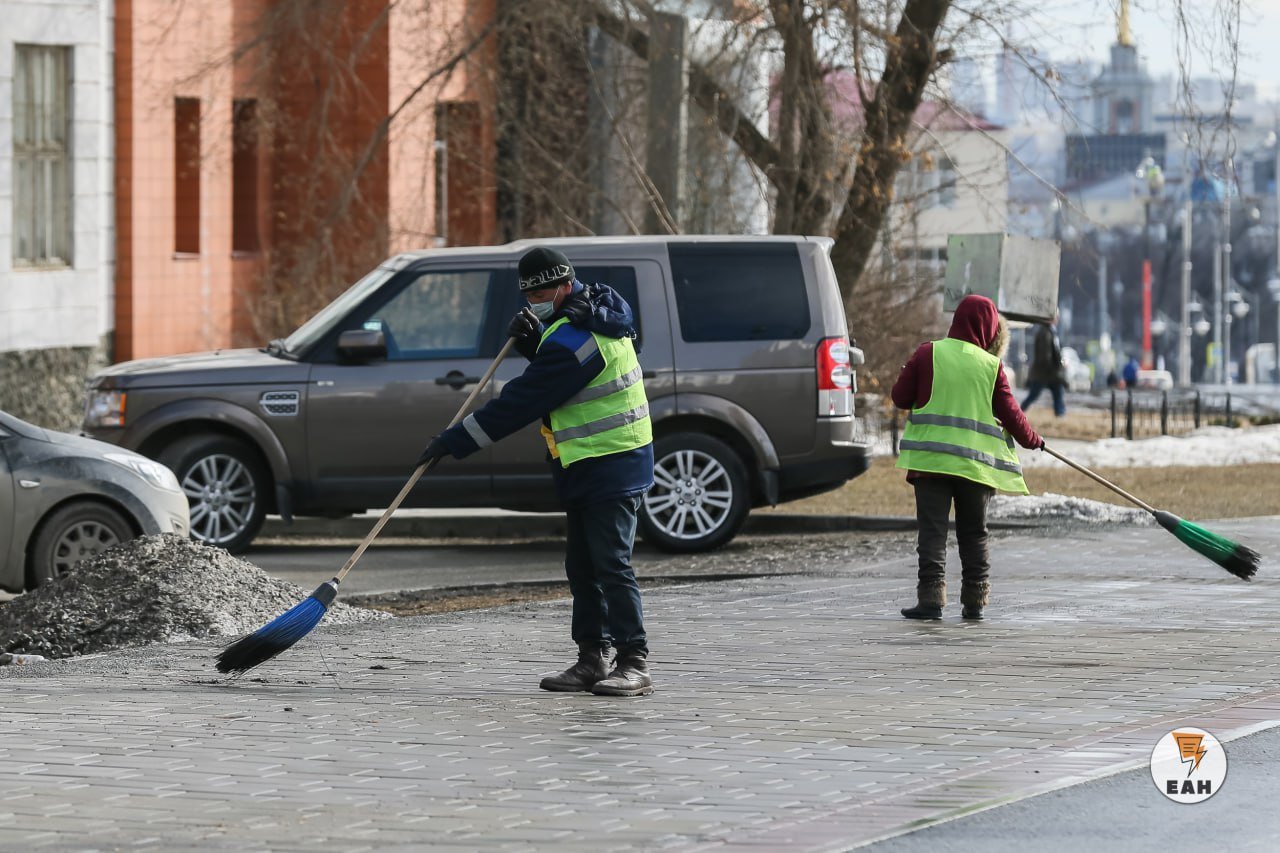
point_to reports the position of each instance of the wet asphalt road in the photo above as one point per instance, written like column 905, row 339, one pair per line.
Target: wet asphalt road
column 395, row 565
column 1124, row 813
column 390, row 568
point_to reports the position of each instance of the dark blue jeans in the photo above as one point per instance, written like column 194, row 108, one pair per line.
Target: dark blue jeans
column 1056, row 388
column 597, row 560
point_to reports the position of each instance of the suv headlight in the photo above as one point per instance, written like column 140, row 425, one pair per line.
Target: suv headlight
column 153, row 472
column 104, row 409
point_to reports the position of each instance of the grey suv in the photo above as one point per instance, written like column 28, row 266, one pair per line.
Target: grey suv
column 747, row 364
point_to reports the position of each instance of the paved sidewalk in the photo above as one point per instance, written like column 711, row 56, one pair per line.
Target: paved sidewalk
column 792, row 711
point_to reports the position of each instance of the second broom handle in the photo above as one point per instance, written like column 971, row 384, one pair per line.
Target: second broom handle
column 423, row 468
column 1110, row 485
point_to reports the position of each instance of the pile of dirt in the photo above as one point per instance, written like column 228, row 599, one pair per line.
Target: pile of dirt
column 155, row 589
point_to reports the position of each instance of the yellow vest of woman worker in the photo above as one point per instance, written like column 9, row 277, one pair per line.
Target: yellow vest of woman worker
column 955, row 432
column 610, row 415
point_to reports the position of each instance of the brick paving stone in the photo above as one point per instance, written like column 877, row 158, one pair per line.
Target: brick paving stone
column 795, row 711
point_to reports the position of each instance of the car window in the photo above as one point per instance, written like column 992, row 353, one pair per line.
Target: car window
column 439, row 314
column 621, row 279
column 332, row 314
column 738, row 292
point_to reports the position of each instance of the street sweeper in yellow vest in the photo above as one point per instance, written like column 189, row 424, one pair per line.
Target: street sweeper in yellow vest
column 585, row 386
column 957, row 449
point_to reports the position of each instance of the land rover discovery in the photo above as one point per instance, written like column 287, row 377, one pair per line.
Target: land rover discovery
column 747, row 364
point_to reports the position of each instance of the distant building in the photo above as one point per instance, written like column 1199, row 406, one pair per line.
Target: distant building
column 956, row 182
column 968, row 87
column 1123, row 130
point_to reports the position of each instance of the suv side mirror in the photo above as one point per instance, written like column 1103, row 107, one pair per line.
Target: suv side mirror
column 362, row 345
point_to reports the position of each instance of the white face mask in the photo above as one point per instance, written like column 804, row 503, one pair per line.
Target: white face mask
column 543, row 310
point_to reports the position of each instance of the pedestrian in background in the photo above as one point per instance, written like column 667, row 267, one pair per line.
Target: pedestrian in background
column 1131, row 368
column 957, row 450
column 1047, row 368
column 584, row 382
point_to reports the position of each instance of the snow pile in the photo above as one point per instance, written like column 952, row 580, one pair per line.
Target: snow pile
column 1062, row 508
column 1205, row 446
column 155, row 589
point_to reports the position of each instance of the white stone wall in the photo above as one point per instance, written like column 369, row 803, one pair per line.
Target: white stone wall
column 65, row 307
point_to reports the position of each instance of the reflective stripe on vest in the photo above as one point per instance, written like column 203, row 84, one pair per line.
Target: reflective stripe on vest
column 966, row 452
column 955, row 432
column 611, row 414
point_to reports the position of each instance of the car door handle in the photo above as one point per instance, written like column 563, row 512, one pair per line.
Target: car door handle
column 456, row 379
column 648, row 374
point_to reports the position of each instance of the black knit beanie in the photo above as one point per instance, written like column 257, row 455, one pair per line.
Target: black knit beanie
column 543, row 267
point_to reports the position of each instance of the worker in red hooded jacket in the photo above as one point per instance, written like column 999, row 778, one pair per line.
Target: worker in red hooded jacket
column 958, row 448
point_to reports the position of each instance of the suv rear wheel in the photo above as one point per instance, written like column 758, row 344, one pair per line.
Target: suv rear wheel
column 226, row 485
column 699, row 497
column 71, row 533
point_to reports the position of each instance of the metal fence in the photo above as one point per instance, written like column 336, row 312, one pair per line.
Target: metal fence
column 1144, row 414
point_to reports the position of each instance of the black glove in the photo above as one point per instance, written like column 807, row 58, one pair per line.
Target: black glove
column 577, row 308
column 435, row 451
column 524, row 325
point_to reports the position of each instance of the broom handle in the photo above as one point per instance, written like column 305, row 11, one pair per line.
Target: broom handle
column 1110, row 485
column 426, row 466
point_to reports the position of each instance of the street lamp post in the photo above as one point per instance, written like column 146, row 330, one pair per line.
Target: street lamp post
column 1238, row 308
column 1184, row 332
column 1274, row 287
column 1217, row 312
column 1149, row 172
column 1225, row 286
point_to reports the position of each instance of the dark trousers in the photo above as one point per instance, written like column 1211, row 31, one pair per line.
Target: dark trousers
column 934, row 497
column 597, row 560
column 1055, row 388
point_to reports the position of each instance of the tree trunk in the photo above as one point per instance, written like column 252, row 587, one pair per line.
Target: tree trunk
column 912, row 56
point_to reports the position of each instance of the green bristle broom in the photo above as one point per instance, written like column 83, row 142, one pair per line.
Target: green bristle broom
column 1241, row 560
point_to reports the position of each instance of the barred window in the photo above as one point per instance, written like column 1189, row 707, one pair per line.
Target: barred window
column 41, row 161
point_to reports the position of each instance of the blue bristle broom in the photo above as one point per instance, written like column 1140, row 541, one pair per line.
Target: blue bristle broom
column 291, row 626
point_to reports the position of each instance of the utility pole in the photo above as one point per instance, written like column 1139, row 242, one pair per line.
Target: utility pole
column 1146, row 283
column 1217, row 312
column 1184, row 333
column 668, row 121
column 1274, row 285
column 1226, row 274
column 1104, row 322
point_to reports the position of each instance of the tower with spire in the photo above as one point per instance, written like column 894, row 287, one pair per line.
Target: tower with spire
column 1123, row 128
column 1124, row 92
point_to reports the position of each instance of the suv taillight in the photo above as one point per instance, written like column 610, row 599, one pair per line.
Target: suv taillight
column 835, row 378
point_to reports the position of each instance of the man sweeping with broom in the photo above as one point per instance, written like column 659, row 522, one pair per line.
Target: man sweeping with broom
column 956, row 449
column 584, row 383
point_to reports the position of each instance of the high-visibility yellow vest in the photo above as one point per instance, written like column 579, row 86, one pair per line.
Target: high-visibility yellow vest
column 611, row 414
column 955, row 432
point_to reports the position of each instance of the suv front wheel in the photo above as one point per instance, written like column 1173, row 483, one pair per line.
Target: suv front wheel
column 226, row 486
column 699, row 497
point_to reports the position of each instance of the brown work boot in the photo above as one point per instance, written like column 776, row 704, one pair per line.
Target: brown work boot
column 930, row 599
column 592, row 666
column 630, row 677
column 973, row 597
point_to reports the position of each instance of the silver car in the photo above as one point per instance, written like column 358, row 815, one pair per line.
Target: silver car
column 63, row 498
